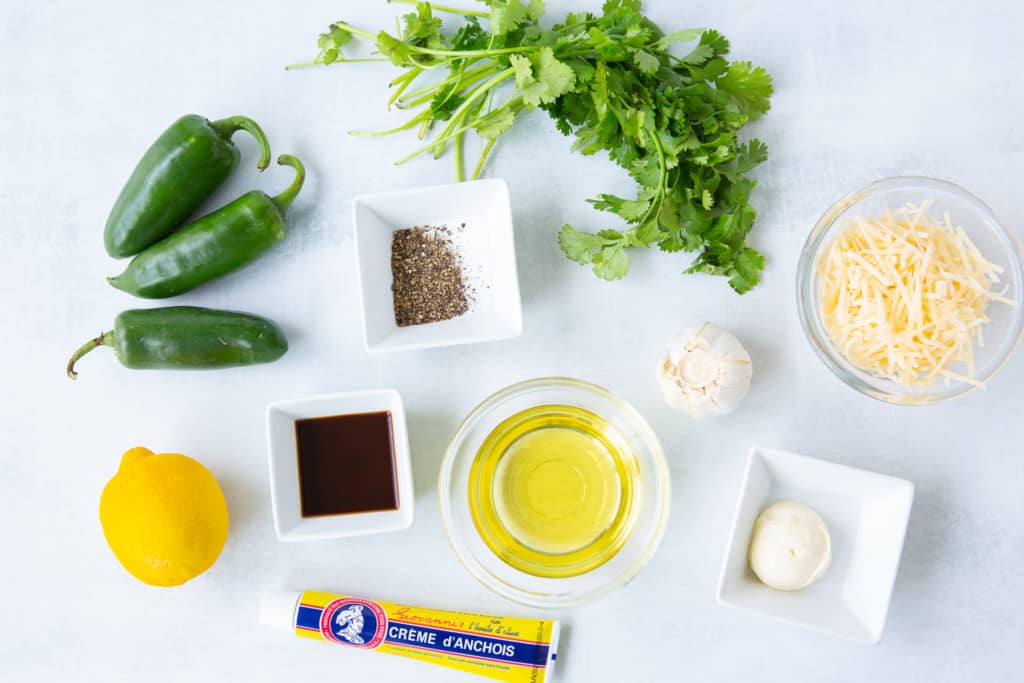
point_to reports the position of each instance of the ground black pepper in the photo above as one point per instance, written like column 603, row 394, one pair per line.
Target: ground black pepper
column 427, row 278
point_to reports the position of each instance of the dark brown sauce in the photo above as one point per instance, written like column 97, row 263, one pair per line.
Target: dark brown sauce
column 346, row 464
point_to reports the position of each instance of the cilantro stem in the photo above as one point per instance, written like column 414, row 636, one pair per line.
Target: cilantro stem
column 355, row 30
column 444, row 8
column 459, row 175
column 657, row 200
column 432, row 91
column 460, row 137
column 475, row 53
column 410, row 104
column 468, row 77
column 483, row 157
column 382, row 133
column 438, row 143
column 404, row 84
column 303, row 65
column 459, row 130
column 448, row 131
column 516, row 105
column 406, row 77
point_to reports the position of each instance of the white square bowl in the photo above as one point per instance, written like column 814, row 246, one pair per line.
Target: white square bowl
column 487, row 248
column 283, row 455
column 866, row 515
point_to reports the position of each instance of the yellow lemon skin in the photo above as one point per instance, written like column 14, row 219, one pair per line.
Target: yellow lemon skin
column 164, row 516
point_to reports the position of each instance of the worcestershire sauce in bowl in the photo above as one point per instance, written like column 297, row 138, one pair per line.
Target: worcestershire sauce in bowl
column 346, row 464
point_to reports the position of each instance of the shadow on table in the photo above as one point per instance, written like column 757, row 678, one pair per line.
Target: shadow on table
column 248, row 505
column 429, row 433
column 918, row 593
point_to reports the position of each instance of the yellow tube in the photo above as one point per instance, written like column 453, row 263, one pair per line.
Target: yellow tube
column 512, row 649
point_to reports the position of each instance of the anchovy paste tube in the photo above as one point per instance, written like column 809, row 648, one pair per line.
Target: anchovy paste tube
column 512, row 649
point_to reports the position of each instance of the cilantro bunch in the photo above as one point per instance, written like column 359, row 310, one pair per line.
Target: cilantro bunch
column 613, row 82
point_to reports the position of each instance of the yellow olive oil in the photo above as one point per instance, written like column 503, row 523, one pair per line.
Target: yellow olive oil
column 553, row 491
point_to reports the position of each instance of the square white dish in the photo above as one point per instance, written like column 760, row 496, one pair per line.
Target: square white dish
column 486, row 245
column 282, row 448
column 866, row 514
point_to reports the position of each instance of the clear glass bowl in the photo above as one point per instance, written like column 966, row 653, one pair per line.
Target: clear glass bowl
column 651, row 482
column 995, row 241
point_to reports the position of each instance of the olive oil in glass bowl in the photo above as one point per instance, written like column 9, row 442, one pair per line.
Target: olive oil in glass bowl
column 554, row 492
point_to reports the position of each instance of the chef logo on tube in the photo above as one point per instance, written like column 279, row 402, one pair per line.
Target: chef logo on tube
column 353, row 621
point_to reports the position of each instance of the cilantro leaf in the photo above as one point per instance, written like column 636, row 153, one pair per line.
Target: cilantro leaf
column 495, row 122
column 647, row 233
column 583, row 69
column 750, row 86
column 749, row 156
column 611, row 263
column 508, row 15
column 699, row 55
column 630, row 210
column 606, row 202
column 735, row 191
column 746, row 270
column 646, row 171
column 330, row 44
column 672, row 242
column 684, row 36
column 633, row 210
column 709, row 70
column 611, row 6
column 470, row 36
column 732, row 228
column 523, row 71
column 336, row 37
column 541, row 78
column 646, row 62
column 579, row 246
column 605, row 251
column 444, row 104
column 707, row 200
column 715, row 41
column 421, row 27
column 394, row 49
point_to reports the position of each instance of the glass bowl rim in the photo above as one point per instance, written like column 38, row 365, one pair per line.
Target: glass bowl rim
column 658, row 461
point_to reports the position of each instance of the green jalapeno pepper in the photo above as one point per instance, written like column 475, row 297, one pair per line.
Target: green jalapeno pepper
column 182, row 168
column 187, row 337
column 214, row 245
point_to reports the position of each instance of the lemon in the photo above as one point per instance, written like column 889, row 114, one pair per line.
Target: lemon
column 164, row 516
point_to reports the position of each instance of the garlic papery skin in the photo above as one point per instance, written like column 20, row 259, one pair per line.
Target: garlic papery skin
column 705, row 371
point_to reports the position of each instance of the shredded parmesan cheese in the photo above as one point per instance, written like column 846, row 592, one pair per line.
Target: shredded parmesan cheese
column 904, row 296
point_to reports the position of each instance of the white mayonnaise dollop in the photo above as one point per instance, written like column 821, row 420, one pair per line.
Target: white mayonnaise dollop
column 790, row 547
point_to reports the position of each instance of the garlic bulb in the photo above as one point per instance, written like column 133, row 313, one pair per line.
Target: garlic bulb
column 706, row 372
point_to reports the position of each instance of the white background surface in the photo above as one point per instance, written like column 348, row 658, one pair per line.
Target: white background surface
column 864, row 90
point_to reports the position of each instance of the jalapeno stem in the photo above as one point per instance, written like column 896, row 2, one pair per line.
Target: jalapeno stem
column 227, row 127
column 105, row 339
column 285, row 199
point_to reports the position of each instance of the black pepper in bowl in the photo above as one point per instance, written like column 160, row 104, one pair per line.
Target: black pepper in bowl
column 427, row 277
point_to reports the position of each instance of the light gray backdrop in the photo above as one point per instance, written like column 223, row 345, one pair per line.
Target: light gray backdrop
column 864, row 90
